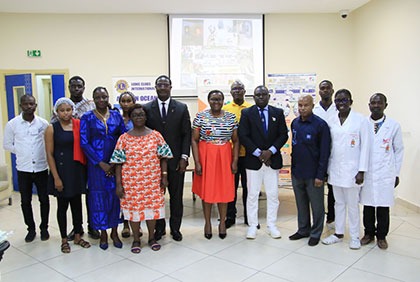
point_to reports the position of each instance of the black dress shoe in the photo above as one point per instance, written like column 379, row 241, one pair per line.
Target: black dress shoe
column 222, row 235
column 298, row 236
column 45, row 235
column 208, row 235
column 313, row 241
column 3, row 247
column 229, row 222
column 94, row 234
column 176, row 235
column 158, row 234
column 30, row 236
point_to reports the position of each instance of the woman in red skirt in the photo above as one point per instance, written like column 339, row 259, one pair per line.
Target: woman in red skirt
column 215, row 159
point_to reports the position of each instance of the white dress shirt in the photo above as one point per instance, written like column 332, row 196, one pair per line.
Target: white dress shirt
column 26, row 140
column 166, row 105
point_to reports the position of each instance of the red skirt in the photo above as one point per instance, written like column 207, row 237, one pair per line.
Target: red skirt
column 217, row 182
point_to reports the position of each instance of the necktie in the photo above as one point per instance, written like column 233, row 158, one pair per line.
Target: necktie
column 264, row 124
column 163, row 111
column 376, row 127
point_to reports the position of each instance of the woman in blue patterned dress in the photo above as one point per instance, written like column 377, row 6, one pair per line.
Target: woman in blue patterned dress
column 99, row 132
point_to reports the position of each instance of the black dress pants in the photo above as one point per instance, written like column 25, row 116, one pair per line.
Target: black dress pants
column 176, row 205
column 25, row 183
column 76, row 213
column 240, row 175
column 379, row 215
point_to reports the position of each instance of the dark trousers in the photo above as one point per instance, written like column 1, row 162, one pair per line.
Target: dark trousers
column 176, row 205
column 25, row 183
column 330, row 204
column 76, row 214
column 308, row 197
column 379, row 215
column 240, row 175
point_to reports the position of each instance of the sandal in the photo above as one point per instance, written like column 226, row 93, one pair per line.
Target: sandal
column 155, row 246
column 82, row 243
column 135, row 247
column 126, row 232
column 65, row 248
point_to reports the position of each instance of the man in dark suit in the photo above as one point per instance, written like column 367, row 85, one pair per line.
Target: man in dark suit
column 262, row 131
column 172, row 119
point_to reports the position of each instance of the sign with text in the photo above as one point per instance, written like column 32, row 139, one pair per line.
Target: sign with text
column 143, row 87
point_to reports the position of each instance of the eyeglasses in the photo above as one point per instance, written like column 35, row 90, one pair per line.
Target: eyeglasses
column 237, row 89
column 142, row 115
column 342, row 101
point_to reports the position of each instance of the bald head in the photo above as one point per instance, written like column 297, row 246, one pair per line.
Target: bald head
column 306, row 97
column 305, row 106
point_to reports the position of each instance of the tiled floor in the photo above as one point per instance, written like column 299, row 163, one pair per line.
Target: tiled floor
column 198, row 259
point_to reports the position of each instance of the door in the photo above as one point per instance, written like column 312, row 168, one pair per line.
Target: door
column 49, row 87
column 16, row 86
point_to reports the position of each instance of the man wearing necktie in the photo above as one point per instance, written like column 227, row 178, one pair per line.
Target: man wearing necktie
column 172, row 119
column 262, row 131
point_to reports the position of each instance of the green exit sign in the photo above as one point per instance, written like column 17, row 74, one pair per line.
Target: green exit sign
column 33, row 53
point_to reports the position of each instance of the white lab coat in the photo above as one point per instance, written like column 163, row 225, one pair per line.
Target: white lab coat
column 385, row 162
column 349, row 149
column 326, row 115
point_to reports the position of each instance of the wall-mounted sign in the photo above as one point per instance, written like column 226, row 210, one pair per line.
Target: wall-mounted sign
column 33, row 53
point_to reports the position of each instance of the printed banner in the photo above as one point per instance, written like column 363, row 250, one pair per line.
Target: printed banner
column 143, row 87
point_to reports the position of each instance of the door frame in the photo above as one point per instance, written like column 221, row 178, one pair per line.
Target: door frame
column 3, row 101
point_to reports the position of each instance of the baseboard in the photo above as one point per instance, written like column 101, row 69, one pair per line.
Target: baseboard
column 408, row 205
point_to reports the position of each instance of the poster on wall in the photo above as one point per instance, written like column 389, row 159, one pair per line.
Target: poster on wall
column 143, row 87
column 206, row 83
column 285, row 90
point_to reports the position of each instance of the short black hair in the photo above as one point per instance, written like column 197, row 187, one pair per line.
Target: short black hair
column 25, row 97
column 344, row 91
column 383, row 97
column 127, row 93
column 214, row 92
column 163, row 76
column 76, row 77
column 133, row 107
column 326, row 81
column 98, row 89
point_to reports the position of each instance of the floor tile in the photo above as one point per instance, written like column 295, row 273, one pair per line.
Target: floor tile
column 35, row 273
column 390, row 265
column 213, row 269
column 295, row 267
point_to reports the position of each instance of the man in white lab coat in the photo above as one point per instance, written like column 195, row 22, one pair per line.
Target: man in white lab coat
column 347, row 165
column 386, row 157
column 326, row 110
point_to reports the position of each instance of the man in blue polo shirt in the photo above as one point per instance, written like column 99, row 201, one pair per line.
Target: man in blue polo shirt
column 311, row 143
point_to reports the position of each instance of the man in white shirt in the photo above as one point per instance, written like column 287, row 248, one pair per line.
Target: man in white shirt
column 24, row 136
column 326, row 110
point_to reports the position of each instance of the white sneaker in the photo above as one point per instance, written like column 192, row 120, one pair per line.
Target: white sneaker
column 273, row 232
column 252, row 232
column 355, row 244
column 332, row 239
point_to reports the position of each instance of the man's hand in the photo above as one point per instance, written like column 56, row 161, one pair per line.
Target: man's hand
column 318, row 183
column 360, row 177
column 182, row 165
column 265, row 157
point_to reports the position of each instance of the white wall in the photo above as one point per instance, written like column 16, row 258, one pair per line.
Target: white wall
column 374, row 49
column 387, row 60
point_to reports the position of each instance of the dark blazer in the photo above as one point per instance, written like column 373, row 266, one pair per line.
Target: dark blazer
column 176, row 130
column 251, row 135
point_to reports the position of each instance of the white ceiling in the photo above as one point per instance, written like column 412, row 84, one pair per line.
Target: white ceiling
column 178, row 6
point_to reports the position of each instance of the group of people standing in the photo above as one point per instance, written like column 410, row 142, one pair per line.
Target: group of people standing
column 360, row 157
column 124, row 162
